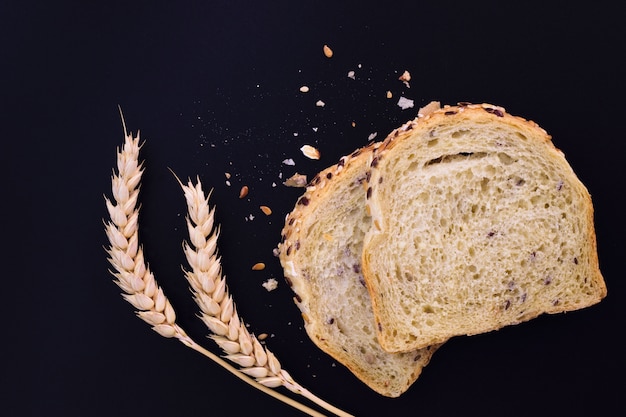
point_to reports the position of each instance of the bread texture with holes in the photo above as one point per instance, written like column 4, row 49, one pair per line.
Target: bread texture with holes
column 477, row 222
column 321, row 257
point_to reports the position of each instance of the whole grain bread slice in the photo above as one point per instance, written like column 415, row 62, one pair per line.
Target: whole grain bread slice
column 477, row 222
column 320, row 252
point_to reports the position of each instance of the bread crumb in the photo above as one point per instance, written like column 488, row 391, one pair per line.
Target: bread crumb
column 405, row 103
column 320, row 103
column 372, row 136
column 270, row 285
column 266, row 210
column 243, row 192
column 429, row 108
column 289, row 162
column 296, row 180
column 389, row 95
column 304, row 89
column 405, row 78
column 351, row 74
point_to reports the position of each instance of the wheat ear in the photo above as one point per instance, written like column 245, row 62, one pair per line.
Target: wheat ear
column 134, row 277
column 218, row 311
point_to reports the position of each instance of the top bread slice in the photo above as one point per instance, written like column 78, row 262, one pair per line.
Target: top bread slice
column 320, row 253
column 477, row 222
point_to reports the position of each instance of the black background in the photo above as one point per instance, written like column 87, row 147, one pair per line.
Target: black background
column 214, row 87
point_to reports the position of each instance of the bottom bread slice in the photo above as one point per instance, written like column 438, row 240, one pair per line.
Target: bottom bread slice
column 478, row 222
column 320, row 253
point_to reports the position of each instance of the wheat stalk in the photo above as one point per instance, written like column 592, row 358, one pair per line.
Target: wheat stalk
column 219, row 312
column 141, row 290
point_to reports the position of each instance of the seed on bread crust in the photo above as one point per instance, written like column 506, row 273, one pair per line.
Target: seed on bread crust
column 288, row 281
column 497, row 112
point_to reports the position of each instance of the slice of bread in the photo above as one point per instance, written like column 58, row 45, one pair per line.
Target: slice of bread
column 478, row 222
column 320, row 253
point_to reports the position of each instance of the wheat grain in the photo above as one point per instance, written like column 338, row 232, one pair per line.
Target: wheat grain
column 140, row 288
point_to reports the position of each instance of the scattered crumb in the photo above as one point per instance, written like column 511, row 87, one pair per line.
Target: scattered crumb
column 289, row 162
column 389, row 95
column 243, row 192
column 310, row 152
column 262, row 337
column 271, row 284
column 228, row 183
column 227, row 175
column 259, row 266
column 304, row 89
column 351, row 74
column 320, row 103
column 353, row 124
column 266, row 210
column 296, row 180
column 250, row 217
column 372, row 136
column 327, row 51
column 405, row 103
column 405, row 78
